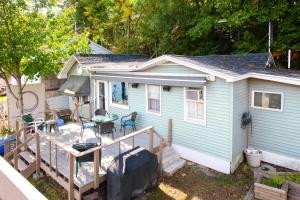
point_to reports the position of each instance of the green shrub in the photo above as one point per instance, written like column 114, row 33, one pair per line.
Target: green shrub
column 6, row 131
column 278, row 179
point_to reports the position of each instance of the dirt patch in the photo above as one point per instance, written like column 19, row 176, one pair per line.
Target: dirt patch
column 191, row 183
column 49, row 188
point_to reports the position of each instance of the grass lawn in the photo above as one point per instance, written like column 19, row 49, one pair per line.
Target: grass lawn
column 49, row 188
column 189, row 183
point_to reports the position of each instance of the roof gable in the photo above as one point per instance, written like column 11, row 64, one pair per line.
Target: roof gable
column 172, row 68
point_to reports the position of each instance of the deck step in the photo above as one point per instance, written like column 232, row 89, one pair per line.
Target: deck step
column 171, row 161
column 168, row 160
column 171, row 169
column 30, row 158
column 21, row 165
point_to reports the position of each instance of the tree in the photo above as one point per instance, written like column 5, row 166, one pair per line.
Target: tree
column 190, row 27
column 33, row 44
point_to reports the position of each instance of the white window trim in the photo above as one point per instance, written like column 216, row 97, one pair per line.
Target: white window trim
column 191, row 120
column 146, row 95
column 126, row 107
column 263, row 108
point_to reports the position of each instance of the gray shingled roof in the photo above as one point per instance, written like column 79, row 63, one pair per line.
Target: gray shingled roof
column 237, row 65
column 93, row 59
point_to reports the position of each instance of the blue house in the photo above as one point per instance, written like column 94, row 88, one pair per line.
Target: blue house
column 205, row 97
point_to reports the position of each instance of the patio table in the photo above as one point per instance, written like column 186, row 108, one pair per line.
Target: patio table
column 106, row 118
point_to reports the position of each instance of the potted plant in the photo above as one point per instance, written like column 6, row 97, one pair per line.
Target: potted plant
column 276, row 186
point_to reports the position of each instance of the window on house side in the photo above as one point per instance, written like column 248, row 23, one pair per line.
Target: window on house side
column 195, row 105
column 267, row 100
column 119, row 93
column 153, row 98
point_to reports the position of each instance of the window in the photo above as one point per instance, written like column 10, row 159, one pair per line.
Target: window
column 119, row 94
column 195, row 105
column 267, row 100
column 153, row 99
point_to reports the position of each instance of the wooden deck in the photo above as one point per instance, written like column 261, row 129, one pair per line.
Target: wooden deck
column 69, row 135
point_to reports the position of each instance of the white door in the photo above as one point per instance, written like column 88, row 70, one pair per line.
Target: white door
column 102, row 94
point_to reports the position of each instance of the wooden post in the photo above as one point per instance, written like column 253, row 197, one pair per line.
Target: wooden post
column 151, row 139
column 25, row 136
column 50, row 156
column 132, row 141
column 56, row 165
column 17, row 125
column 100, row 157
column 38, row 153
column 18, row 137
column 76, row 109
column 90, row 110
column 161, row 145
column 96, row 168
column 16, row 160
column 6, row 148
column 170, row 132
column 71, row 177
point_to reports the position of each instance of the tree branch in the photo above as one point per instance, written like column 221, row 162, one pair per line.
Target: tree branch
column 2, row 75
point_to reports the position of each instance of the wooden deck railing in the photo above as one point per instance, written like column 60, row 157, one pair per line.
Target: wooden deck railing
column 72, row 154
column 19, row 145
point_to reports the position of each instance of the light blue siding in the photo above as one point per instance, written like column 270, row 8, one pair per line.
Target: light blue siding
column 213, row 139
column 179, row 69
column 275, row 131
column 240, row 105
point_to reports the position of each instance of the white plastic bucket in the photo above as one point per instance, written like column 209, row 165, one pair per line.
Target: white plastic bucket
column 253, row 157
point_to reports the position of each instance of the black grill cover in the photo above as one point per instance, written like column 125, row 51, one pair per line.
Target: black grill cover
column 131, row 173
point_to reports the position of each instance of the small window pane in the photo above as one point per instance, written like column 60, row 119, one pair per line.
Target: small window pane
column 267, row 100
column 154, row 98
column 275, row 101
column 119, row 93
column 195, row 104
column 192, row 95
column 154, row 92
column 191, row 108
column 258, row 99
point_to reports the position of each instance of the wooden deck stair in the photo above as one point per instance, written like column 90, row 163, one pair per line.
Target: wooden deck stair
column 26, row 163
column 171, row 161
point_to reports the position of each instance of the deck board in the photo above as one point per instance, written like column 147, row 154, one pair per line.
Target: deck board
column 70, row 134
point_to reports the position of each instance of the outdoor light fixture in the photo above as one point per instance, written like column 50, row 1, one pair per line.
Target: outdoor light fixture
column 166, row 88
column 134, row 85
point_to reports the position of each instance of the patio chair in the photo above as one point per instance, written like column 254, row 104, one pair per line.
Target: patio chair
column 32, row 123
column 86, row 124
column 107, row 128
column 128, row 120
column 86, row 158
column 101, row 111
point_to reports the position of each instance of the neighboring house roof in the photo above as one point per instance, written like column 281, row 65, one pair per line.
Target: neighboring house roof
column 232, row 67
column 98, row 59
column 98, row 49
column 103, row 62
